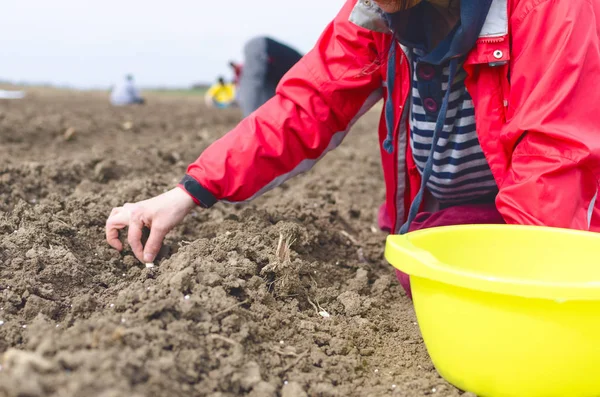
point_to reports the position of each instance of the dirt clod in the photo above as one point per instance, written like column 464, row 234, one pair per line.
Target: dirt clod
column 293, row 389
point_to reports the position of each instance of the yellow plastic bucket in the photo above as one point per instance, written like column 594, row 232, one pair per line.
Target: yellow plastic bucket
column 507, row 311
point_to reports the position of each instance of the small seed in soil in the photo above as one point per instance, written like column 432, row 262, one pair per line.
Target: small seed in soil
column 123, row 274
column 186, row 297
column 393, row 386
column 1, row 322
column 281, row 342
column 285, row 382
column 69, row 134
column 376, row 371
column 433, row 390
column 122, row 320
column 24, row 325
column 57, row 325
column 324, row 314
column 149, row 265
column 112, row 305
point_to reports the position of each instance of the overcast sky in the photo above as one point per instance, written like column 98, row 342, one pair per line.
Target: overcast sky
column 92, row 43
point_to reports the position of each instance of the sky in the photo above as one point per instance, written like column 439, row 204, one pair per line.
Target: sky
column 174, row 43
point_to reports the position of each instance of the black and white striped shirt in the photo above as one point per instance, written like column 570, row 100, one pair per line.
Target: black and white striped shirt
column 460, row 170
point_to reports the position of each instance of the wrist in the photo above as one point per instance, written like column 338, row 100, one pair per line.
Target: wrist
column 188, row 201
column 196, row 192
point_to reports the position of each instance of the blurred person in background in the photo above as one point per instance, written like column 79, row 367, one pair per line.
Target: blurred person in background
column 489, row 116
column 126, row 93
column 236, row 69
column 266, row 61
column 220, row 95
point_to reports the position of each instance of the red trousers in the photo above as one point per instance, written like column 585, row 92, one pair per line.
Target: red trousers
column 460, row 215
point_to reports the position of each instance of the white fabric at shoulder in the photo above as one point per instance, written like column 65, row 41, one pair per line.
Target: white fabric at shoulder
column 368, row 15
column 496, row 23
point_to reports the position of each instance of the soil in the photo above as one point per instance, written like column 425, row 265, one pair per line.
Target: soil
column 232, row 308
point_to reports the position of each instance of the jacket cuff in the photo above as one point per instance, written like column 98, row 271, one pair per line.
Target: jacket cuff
column 197, row 192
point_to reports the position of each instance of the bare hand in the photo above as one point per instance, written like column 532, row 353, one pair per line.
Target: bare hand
column 160, row 214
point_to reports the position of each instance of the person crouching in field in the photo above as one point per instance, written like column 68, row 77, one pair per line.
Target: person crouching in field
column 220, row 95
column 490, row 116
column 126, row 93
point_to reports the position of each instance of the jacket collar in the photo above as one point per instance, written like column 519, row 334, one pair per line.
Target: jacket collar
column 413, row 29
column 368, row 15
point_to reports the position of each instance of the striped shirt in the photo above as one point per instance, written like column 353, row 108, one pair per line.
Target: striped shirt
column 460, row 170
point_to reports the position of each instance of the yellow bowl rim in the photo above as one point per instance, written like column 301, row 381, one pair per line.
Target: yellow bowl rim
column 416, row 262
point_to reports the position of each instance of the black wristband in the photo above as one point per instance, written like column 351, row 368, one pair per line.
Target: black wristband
column 204, row 197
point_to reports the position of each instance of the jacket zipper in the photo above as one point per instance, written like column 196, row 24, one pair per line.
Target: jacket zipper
column 490, row 40
column 399, row 129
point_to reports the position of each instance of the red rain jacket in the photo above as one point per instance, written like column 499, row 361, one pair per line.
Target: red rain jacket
column 534, row 76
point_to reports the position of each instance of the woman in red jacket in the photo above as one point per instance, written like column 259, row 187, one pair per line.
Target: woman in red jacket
column 489, row 116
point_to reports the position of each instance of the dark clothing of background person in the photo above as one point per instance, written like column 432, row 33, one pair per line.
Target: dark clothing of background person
column 266, row 61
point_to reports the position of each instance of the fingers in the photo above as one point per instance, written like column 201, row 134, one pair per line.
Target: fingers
column 160, row 214
column 112, row 237
column 118, row 219
column 154, row 243
column 134, row 237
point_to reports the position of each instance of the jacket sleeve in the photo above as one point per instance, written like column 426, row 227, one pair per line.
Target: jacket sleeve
column 554, row 127
column 315, row 105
